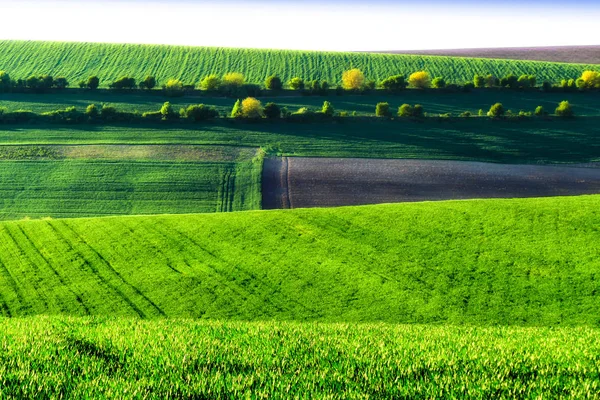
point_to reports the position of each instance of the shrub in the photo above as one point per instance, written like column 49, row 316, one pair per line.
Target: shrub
column 148, row 83
column 438, row 83
column 252, row 108
column 510, row 81
column 92, row 111
column 173, row 88
column 93, row 82
column 394, row 83
column 468, row 86
column 540, row 112
column 68, row 115
column 419, row 80
column 272, row 111
column 353, row 79
column 383, row 110
column 479, row 81
column 417, row 111
column 61, row 83
column 564, row 109
column 405, row 110
column 296, row 83
column 496, row 111
column 124, row 82
column 466, row 114
column 546, row 86
column 210, row 83
column 233, row 79
column 108, row 113
column 273, row 83
column 167, row 111
column 5, row 82
column 370, row 85
column 328, row 109
column 200, row 112
column 491, row 81
column 523, row 82
column 591, row 80
column 153, row 115
column 82, row 84
column 236, row 111
column 481, row 113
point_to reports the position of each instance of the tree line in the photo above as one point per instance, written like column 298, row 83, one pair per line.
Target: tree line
column 251, row 109
column 353, row 81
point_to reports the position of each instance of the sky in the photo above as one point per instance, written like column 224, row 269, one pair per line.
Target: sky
column 334, row 25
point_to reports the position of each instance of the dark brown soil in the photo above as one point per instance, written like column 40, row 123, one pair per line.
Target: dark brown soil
column 568, row 54
column 323, row 182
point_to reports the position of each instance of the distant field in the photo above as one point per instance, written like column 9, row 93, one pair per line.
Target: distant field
column 76, row 61
column 77, row 181
column 512, row 262
column 513, row 142
column 566, row 54
column 584, row 104
column 116, row 358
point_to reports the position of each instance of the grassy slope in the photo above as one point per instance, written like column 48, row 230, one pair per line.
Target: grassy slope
column 110, row 61
column 468, row 139
column 517, row 262
column 82, row 358
column 584, row 104
column 79, row 186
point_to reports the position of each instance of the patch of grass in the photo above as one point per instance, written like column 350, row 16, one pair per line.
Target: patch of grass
column 76, row 181
column 115, row 358
column 77, row 61
column 511, row 262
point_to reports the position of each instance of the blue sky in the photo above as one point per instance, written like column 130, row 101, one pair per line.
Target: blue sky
column 308, row 24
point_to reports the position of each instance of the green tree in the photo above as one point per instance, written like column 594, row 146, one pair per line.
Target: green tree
column 93, row 82
column 417, row 111
column 328, row 109
column 540, row 112
column 236, row 112
column 479, row 81
column 296, row 83
column 394, row 83
column 272, row 111
column 438, row 83
column 92, row 111
column 273, row 82
column 496, row 111
column 383, row 110
column 564, row 109
column 148, row 83
column 167, row 111
column 200, row 112
column 210, row 83
column 405, row 110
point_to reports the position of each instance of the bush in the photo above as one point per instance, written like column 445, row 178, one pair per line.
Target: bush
column 419, row 80
column 438, row 83
column 296, row 84
column 564, row 109
column 148, row 83
column 272, row 111
column 468, row 86
column 167, row 111
column 200, row 112
column 327, row 109
column 173, row 88
column 210, row 83
column 92, row 111
column 591, row 80
column 68, row 115
column 61, row 83
column 546, row 86
column 353, row 79
column 153, row 115
column 273, row 83
column 540, row 112
column 108, row 113
column 252, row 108
column 479, row 81
column 496, row 111
column 394, row 83
column 418, row 111
column 236, row 111
column 510, row 81
column 124, row 82
column 233, row 79
column 405, row 111
column 383, row 110
column 93, row 82
column 491, row 81
column 466, row 114
column 5, row 82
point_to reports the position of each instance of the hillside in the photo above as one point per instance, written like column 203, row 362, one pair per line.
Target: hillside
column 77, row 61
column 477, row 262
column 565, row 54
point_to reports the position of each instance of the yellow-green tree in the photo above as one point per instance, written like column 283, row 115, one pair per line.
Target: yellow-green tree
column 234, row 79
column 591, row 79
column 353, row 79
column 420, row 80
column 252, row 108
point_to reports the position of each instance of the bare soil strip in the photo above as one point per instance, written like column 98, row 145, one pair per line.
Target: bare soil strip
column 327, row 182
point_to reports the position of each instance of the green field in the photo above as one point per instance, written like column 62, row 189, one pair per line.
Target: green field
column 76, row 61
column 512, row 262
column 526, row 142
column 76, row 181
column 584, row 103
column 117, row 358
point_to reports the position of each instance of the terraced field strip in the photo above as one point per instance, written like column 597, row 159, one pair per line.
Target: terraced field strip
column 77, row 61
column 326, row 182
column 75, row 181
column 513, row 262
column 204, row 359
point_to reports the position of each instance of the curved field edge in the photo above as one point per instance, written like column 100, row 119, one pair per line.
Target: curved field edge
column 116, row 358
column 513, row 262
column 77, row 61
